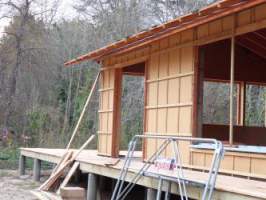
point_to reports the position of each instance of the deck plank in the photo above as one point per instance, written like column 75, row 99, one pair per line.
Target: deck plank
column 89, row 159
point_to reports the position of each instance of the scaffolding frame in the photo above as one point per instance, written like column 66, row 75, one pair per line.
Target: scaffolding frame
column 121, row 190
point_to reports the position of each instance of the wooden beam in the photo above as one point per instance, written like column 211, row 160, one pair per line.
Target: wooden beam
column 242, row 102
column 68, row 176
column 198, row 91
column 232, row 70
column 83, row 112
column 58, row 173
column 117, row 113
column 244, row 42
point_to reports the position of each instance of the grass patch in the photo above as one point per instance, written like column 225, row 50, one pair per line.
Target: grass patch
column 9, row 158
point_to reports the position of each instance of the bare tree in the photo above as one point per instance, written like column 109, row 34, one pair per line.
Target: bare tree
column 21, row 15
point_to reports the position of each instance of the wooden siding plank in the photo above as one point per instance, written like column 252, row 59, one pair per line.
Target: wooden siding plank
column 174, row 56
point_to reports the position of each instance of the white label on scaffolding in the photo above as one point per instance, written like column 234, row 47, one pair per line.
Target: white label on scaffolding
column 165, row 163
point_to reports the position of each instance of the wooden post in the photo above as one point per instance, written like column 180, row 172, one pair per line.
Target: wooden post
column 151, row 194
column 198, row 91
column 232, row 69
column 116, row 113
column 36, row 169
column 92, row 187
column 22, row 164
column 264, row 110
column 101, row 181
column 242, row 102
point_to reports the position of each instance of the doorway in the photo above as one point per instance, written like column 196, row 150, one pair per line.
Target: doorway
column 132, row 104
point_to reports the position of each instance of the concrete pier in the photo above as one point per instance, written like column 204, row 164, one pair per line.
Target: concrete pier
column 22, row 165
column 36, row 169
column 92, row 187
column 151, row 194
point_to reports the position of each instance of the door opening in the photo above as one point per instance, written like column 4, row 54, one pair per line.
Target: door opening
column 132, row 104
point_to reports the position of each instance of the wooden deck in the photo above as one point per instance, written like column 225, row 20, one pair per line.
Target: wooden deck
column 227, row 187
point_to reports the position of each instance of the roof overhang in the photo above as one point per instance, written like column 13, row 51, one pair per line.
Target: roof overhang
column 210, row 13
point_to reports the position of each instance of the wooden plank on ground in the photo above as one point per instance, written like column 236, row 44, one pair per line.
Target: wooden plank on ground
column 41, row 195
column 72, row 193
column 52, row 179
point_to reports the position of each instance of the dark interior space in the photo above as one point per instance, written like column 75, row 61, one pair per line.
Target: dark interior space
column 136, row 69
column 249, row 89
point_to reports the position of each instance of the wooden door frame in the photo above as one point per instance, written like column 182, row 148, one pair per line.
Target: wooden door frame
column 116, row 130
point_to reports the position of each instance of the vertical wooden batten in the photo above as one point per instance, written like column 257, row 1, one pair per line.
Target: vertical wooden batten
column 199, row 57
column 232, row 79
column 232, row 69
column 144, row 113
column 242, row 106
column 117, row 112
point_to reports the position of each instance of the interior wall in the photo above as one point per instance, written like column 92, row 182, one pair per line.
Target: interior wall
column 242, row 134
column 248, row 66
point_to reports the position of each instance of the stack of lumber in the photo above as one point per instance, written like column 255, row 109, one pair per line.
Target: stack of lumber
column 66, row 161
column 72, row 193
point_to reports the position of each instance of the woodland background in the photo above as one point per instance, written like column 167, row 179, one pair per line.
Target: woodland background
column 41, row 100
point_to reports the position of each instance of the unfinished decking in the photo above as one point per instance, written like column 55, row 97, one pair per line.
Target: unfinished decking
column 227, row 187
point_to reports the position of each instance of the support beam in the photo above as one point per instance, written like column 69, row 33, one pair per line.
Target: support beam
column 198, row 91
column 22, row 165
column 116, row 113
column 36, row 169
column 242, row 108
column 232, row 70
column 151, row 194
column 100, row 182
column 92, row 187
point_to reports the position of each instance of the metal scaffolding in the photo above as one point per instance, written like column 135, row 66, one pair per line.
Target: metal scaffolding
column 122, row 190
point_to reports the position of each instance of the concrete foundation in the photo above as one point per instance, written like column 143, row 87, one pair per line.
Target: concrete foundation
column 151, row 194
column 92, row 187
column 36, row 169
column 22, row 165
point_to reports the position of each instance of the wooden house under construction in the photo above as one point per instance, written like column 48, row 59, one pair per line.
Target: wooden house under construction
column 222, row 44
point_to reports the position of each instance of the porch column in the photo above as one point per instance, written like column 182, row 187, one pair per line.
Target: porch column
column 232, row 69
column 36, row 169
column 21, row 165
column 92, row 187
column 151, row 194
column 241, row 106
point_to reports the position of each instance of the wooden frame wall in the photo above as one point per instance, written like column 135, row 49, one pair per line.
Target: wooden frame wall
column 234, row 163
column 169, row 85
column 109, row 112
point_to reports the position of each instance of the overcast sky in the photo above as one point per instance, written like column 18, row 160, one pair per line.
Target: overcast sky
column 65, row 10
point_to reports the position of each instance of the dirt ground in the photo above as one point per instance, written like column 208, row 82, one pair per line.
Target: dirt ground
column 13, row 187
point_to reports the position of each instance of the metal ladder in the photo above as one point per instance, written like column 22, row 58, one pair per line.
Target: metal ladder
column 121, row 189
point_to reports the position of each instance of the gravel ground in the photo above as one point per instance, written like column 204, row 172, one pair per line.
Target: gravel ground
column 13, row 187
